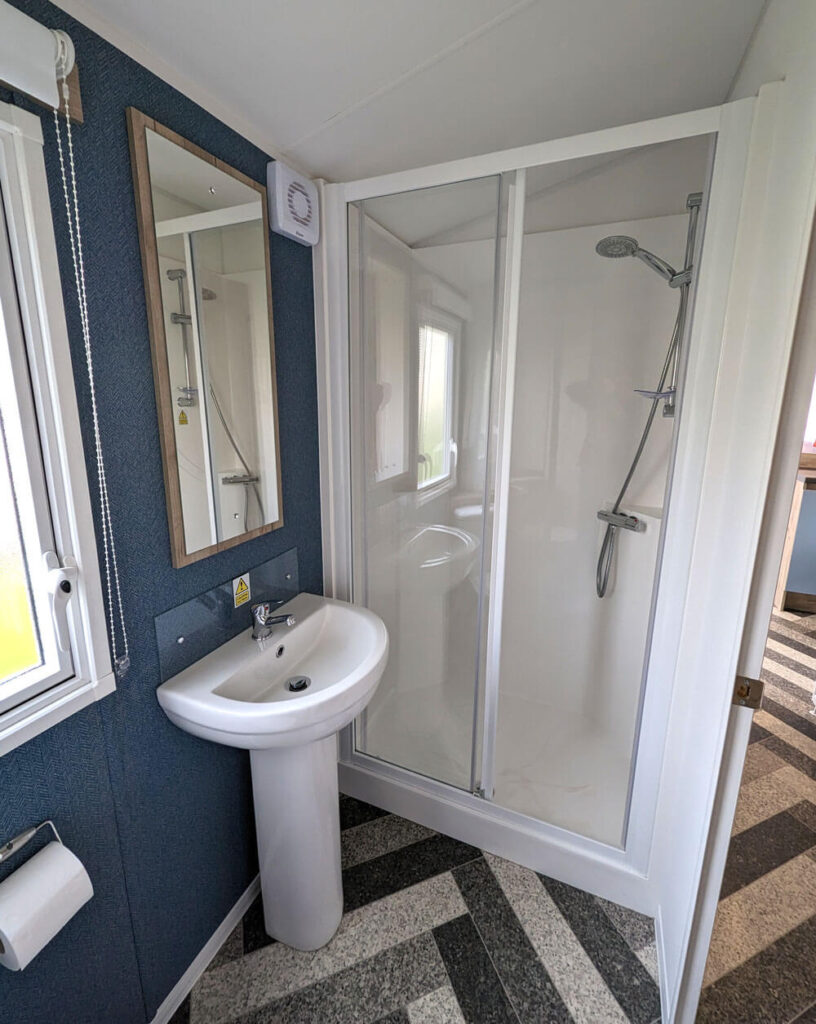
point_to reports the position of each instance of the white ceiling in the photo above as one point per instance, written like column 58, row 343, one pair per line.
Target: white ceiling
column 352, row 88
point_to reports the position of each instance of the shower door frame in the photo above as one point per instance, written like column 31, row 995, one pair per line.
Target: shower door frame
column 620, row 873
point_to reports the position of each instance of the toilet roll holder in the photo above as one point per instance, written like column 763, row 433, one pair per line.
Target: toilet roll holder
column 18, row 842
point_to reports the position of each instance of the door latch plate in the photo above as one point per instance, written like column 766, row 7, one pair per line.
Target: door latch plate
column 747, row 692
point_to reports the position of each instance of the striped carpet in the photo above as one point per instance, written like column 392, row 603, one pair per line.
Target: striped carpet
column 437, row 932
column 762, row 963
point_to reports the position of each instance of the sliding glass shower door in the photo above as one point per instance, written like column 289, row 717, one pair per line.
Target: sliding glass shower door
column 422, row 315
column 505, row 362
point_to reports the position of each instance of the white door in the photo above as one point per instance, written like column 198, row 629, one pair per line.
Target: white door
column 757, row 230
column 772, row 304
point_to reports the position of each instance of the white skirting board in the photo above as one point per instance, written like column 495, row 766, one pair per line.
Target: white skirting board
column 183, row 986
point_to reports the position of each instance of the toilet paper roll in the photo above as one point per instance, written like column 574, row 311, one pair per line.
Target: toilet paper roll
column 37, row 900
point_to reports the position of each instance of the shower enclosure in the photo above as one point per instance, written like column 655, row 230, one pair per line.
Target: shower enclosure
column 502, row 405
column 497, row 396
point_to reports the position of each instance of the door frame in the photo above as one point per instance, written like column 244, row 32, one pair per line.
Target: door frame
column 755, row 236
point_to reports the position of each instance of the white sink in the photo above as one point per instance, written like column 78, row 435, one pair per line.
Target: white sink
column 238, row 696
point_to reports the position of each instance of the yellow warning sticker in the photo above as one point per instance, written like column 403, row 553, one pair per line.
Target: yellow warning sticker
column 240, row 590
column 182, row 417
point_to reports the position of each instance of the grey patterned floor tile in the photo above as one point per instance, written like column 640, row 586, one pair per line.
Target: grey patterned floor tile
column 397, row 1017
column 233, row 948
column 648, row 957
column 628, row 980
column 365, row 992
column 799, row 760
column 771, row 678
column 254, row 930
column 795, row 624
column 802, row 707
column 796, row 643
column 759, row 761
column 791, row 662
column 756, row 916
column 278, row 971
column 474, row 979
column 585, row 993
column 808, row 1017
column 770, row 988
column 379, row 836
column 182, row 1014
column 801, row 720
column 532, row 994
column 356, row 812
column 805, row 811
column 762, row 848
column 637, row 929
column 439, row 1007
column 400, row 869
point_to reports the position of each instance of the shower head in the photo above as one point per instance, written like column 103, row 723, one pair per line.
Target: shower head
column 615, row 246
column 208, row 294
column 176, row 274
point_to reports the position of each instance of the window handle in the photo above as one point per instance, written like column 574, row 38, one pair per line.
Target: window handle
column 62, row 580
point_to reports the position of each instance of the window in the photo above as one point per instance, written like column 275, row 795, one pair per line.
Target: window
column 435, row 444
column 54, row 656
column 31, row 619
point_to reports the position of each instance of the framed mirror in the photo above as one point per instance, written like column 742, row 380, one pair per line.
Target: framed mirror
column 204, row 235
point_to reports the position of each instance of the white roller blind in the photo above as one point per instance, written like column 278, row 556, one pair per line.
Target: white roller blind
column 27, row 55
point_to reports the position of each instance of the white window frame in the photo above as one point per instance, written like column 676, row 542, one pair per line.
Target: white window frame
column 27, row 209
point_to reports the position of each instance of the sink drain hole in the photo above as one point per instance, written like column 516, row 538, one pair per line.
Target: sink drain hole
column 298, row 683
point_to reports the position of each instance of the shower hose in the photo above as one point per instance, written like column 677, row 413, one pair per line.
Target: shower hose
column 607, row 551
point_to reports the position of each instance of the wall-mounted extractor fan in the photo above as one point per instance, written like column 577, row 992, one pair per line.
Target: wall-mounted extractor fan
column 292, row 204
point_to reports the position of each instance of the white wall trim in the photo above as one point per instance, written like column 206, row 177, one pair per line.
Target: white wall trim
column 184, row 985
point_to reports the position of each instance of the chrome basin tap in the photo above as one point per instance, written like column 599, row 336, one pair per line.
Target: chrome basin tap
column 263, row 620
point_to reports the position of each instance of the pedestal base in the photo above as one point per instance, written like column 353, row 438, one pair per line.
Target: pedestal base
column 297, row 818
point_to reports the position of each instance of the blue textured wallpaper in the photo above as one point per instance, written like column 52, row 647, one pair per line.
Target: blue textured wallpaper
column 163, row 821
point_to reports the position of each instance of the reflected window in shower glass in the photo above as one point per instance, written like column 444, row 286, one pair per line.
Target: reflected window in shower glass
column 435, row 405
column 390, row 355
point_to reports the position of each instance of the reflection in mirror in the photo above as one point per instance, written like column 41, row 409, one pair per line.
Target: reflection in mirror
column 205, row 255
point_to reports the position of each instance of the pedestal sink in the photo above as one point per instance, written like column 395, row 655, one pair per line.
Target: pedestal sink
column 283, row 699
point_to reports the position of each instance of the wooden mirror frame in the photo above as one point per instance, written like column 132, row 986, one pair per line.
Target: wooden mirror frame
column 138, row 123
